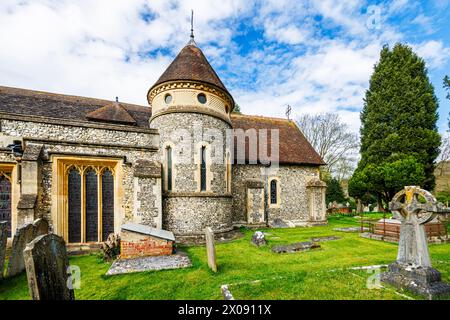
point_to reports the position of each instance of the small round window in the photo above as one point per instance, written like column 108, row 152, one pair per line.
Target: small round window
column 168, row 99
column 201, row 98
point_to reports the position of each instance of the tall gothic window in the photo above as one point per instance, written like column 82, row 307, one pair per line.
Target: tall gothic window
column 91, row 191
column 203, row 169
column 74, row 201
column 5, row 202
column 273, row 192
column 90, row 199
column 169, row 168
column 107, row 204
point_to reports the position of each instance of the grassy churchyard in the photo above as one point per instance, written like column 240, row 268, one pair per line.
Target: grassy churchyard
column 252, row 272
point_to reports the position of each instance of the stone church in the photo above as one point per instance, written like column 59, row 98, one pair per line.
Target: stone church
column 90, row 165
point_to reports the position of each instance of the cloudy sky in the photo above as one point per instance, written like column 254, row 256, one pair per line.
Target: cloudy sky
column 316, row 56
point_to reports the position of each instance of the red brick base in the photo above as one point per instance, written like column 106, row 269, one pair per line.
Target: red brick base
column 134, row 245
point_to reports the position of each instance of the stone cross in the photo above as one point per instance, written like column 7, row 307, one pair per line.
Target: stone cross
column 210, row 249
column 3, row 240
column 47, row 267
column 413, row 248
column 413, row 270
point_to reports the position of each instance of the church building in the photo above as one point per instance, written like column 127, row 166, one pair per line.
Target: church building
column 183, row 163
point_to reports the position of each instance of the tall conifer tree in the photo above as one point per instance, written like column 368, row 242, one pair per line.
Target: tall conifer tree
column 399, row 136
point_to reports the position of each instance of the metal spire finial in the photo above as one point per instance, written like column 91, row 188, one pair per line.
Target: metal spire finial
column 288, row 112
column 192, row 41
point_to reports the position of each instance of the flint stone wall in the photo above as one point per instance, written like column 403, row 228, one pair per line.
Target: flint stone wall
column 191, row 214
column 77, row 134
column 185, row 174
column 80, row 141
column 293, row 197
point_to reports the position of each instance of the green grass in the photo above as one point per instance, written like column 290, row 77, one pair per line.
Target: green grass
column 251, row 272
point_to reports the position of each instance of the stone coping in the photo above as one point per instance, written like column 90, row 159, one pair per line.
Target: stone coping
column 95, row 144
column 75, row 123
column 196, row 194
column 147, row 230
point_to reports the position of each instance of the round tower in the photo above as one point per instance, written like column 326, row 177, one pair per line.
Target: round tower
column 191, row 109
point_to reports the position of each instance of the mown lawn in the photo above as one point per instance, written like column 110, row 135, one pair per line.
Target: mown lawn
column 251, row 272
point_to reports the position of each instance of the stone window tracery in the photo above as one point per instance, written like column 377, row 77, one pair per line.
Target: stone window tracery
column 90, row 202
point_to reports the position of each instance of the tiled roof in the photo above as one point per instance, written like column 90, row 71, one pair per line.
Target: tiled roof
column 294, row 148
column 191, row 64
column 113, row 112
column 66, row 107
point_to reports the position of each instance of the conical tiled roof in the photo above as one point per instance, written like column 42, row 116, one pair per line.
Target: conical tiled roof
column 113, row 112
column 191, row 64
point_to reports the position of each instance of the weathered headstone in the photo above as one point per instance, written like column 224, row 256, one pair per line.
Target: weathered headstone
column 413, row 269
column 47, row 268
column 22, row 237
column 259, row 239
column 210, row 249
column 3, row 240
column 40, row 227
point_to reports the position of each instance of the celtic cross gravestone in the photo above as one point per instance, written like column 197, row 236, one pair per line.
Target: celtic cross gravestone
column 413, row 270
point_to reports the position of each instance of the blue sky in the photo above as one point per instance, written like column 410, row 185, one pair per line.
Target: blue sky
column 316, row 56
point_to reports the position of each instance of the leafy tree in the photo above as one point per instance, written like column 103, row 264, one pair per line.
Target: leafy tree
column 237, row 109
column 399, row 137
column 334, row 191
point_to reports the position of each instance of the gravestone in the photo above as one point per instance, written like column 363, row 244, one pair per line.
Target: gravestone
column 259, row 239
column 210, row 249
column 413, row 269
column 3, row 240
column 47, row 268
column 22, row 237
column 40, row 227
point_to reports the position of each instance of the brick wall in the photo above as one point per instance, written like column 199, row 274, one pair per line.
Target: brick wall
column 133, row 245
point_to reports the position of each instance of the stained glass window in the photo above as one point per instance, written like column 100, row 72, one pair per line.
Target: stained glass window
column 107, row 204
column 203, row 169
column 74, row 204
column 91, row 189
column 273, row 191
column 5, row 202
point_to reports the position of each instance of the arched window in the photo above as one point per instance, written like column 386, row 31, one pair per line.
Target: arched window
column 90, row 203
column 91, row 191
column 228, row 172
column 74, row 205
column 273, row 191
column 5, row 203
column 169, row 168
column 107, row 204
column 203, row 169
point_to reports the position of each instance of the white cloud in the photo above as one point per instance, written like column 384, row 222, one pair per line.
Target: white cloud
column 106, row 48
column 434, row 52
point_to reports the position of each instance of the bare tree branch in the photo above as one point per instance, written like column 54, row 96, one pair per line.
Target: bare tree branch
column 333, row 140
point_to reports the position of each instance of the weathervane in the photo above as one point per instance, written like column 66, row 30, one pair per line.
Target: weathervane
column 192, row 41
column 288, row 112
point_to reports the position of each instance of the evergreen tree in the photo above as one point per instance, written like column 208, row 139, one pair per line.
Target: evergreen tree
column 399, row 137
column 237, row 109
column 334, row 191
